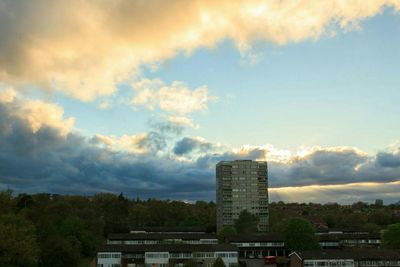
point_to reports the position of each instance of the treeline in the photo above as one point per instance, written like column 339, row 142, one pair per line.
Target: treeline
column 54, row 230
column 360, row 215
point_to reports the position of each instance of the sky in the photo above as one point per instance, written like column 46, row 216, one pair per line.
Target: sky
column 145, row 97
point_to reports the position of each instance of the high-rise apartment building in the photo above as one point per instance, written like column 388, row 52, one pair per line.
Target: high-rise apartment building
column 242, row 185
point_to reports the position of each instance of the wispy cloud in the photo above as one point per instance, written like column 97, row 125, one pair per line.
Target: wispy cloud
column 86, row 48
column 176, row 97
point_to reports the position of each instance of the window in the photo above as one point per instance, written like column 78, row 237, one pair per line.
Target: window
column 108, row 255
column 157, row 255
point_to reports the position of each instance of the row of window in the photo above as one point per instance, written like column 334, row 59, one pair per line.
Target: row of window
column 165, row 241
column 165, row 255
column 226, row 254
column 377, row 263
column 361, row 241
column 183, row 255
column 108, row 255
column 328, row 263
column 162, row 255
column 260, row 244
column 204, row 255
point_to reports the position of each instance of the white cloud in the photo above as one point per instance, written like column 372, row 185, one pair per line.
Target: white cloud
column 105, row 105
column 176, row 97
column 128, row 143
column 184, row 121
column 7, row 95
column 37, row 113
column 85, row 48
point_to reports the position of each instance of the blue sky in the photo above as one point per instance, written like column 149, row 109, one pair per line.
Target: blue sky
column 311, row 87
column 337, row 90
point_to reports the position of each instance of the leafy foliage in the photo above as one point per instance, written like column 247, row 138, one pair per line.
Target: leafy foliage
column 60, row 231
column 219, row 263
column 300, row 235
column 391, row 237
column 247, row 223
column 54, row 230
column 18, row 246
column 190, row 263
column 227, row 230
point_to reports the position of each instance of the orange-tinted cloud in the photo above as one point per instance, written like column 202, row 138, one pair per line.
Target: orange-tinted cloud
column 85, row 48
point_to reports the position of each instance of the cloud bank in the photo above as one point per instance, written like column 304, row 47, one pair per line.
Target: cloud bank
column 86, row 48
column 40, row 152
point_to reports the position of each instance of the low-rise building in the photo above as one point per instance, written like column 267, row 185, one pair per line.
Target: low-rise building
column 258, row 246
column 144, row 238
column 354, row 257
column 337, row 240
column 163, row 255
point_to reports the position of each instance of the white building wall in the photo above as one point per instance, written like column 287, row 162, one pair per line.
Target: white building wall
column 108, row 259
column 158, row 258
column 327, row 262
column 230, row 258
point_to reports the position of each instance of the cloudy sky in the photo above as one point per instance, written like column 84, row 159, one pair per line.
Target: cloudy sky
column 145, row 97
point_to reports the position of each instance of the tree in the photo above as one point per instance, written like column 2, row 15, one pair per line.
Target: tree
column 18, row 245
column 59, row 252
column 6, row 202
column 300, row 235
column 371, row 228
column 330, row 220
column 219, row 263
column 190, row 263
column 227, row 230
column 380, row 217
column 391, row 237
column 247, row 223
column 354, row 220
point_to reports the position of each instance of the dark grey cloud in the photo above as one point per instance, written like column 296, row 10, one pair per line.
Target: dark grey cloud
column 189, row 144
column 389, row 160
column 321, row 167
column 332, row 167
column 47, row 161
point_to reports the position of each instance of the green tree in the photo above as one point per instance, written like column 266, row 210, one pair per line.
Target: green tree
column 227, row 230
column 354, row 220
column 380, row 217
column 371, row 228
column 300, row 235
column 190, row 263
column 330, row 220
column 219, row 263
column 391, row 237
column 6, row 202
column 18, row 245
column 247, row 223
column 59, row 252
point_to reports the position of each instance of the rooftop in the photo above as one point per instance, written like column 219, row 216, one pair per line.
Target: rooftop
column 160, row 236
column 266, row 237
column 353, row 253
column 168, row 248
